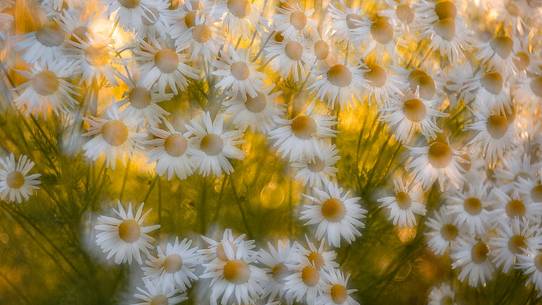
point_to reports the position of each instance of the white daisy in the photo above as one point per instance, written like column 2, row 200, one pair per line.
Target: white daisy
column 174, row 265
column 442, row 232
column 216, row 247
column 155, row 20
column 436, row 161
column 96, row 58
column 298, row 138
column 157, row 293
column 275, row 261
column 442, row 295
column 172, row 151
column 130, row 14
column 337, row 216
column 472, row 257
column 498, row 52
column 338, row 84
column 290, row 57
column 422, row 81
column 515, row 166
column 141, row 104
column 16, row 184
column 214, row 145
column 404, row 205
column 235, row 280
column 380, row 84
column 123, row 236
column 163, row 65
column 348, row 24
column 258, row 113
column 530, row 189
column 511, row 240
column 470, row 208
column 305, row 283
column 488, row 89
column 45, row 45
column 335, row 289
column 48, row 89
column 513, row 206
column 320, row 257
column 113, row 137
column 382, row 36
column 408, row 113
column 239, row 17
column 202, row 38
column 531, row 264
column 237, row 73
column 316, row 171
column 293, row 21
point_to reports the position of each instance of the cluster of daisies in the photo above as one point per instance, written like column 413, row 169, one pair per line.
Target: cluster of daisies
column 459, row 88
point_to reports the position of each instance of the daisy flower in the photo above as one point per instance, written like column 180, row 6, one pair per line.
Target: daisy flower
column 214, row 145
column 498, row 52
column 379, row 83
column 172, row 151
column 298, row 138
column 488, row 89
column 16, row 184
column 337, row 216
column 95, row 58
column 335, row 289
column 156, row 292
column 202, row 38
column 174, row 265
column 258, row 113
column 382, row 37
column 531, row 86
column 438, row 160
column 123, row 236
column 442, row 295
column 215, row 250
column 338, row 84
column 184, row 17
column 420, row 81
column 472, row 257
column 141, row 104
column 275, row 260
column 154, row 20
column 511, row 240
column 470, row 208
column 438, row 22
column 530, row 189
column 319, row 256
column 402, row 15
column 531, row 264
column 408, row 113
column 239, row 17
column 442, row 232
column 316, row 171
column 322, row 44
column 164, row 66
column 404, row 205
column 495, row 132
column 348, row 24
column 47, row 90
column 130, row 14
column 236, row 279
column 293, row 21
column 237, row 74
column 45, row 45
column 290, row 57
column 113, row 136
column 515, row 166
column 305, row 283
column 513, row 206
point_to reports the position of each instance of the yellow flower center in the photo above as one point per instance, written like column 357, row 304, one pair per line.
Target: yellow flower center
column 239, row 8
column 175, row 145
column 321, row 49
column 419, row 80
column 45, row 83
column 536, row 193
column 298, row 20
column 376, row 75
column 303, row 127
column 166, row 60
column 97, row 55
column 338, row 293
column 517, row 243
column 492, row 82
column 236, row 271
column 445, row 9
column 15, row 180
column 339, row 75
column 479, row 252
column 256, row 104
column 129, row 231
column 439, row 154
column 159, row 300
column 414, row 109
column 240, row 70
column 50, row 35
column 449, row 232
column 294, row 50
column 502, row 45
column 211, row 144
column 403, row 200
column 472, row 205
column 316, row 259
column 140, row 98
column 497, row 125
column 115, row 132
column 190, row 19
column 129, row 3
column 381, row 30
column 310, row 276
column 201, row 33
column 172, row 263
column 333, row 210
column 445, row 28
column 404, row 13
column 515, row 208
